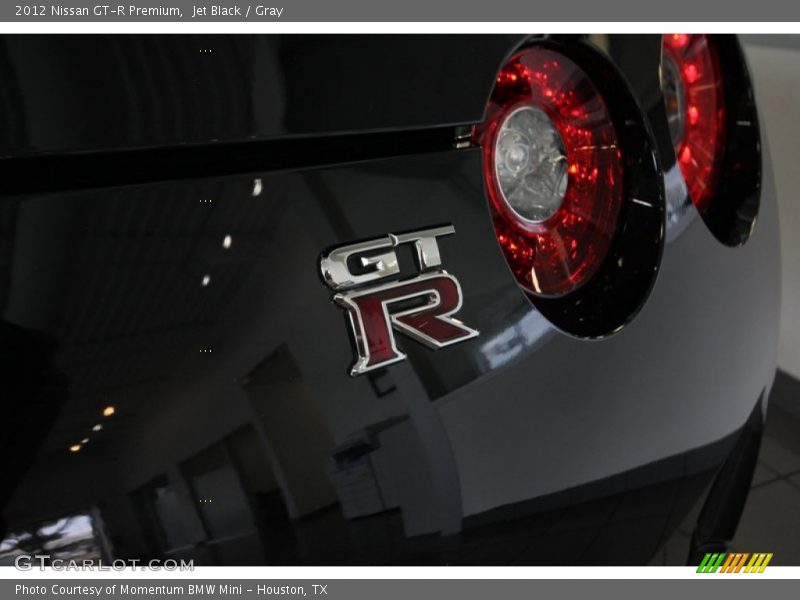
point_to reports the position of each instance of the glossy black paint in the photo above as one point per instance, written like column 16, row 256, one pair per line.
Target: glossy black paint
column 97, row 93
column 238, row 436
column 91, row 170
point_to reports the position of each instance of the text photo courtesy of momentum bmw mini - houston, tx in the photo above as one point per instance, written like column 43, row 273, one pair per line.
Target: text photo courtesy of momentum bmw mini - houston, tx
column 389, row 299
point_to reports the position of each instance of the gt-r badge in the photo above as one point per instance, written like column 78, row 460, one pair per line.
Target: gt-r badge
column 365, row 277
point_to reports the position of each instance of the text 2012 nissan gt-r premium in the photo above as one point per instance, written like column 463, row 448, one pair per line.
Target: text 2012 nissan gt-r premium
column 300, row 299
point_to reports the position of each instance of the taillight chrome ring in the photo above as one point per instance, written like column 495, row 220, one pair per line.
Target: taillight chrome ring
column 553, row 170
column 718, row 145
column 695, row 105
column 575, row 193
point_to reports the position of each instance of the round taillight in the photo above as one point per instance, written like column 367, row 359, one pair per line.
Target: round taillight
column 694, row 99
column 553, row 171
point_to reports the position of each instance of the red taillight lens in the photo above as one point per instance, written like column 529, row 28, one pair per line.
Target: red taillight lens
column 553, row 171
column 694, row 100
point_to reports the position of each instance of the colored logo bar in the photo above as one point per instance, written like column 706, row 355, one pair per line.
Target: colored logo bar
column 734, row 562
